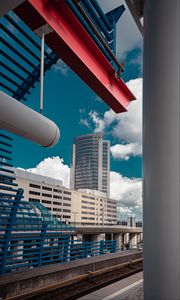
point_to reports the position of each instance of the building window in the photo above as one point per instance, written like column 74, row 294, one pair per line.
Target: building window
column 66, row 204
column 67, row 193
column 88, row 197
column 46, row 195
column 88, row 207
column 46, row 201
column 46, row 188
column 56, row 209
column 57, row 191
column 88, row 202
column 57, row 197
column 33, row 200
column 57, row 203
column 34, row 193
column 66, row 198
column 34, row 186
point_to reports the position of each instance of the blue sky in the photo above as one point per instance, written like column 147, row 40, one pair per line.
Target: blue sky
column 77, row 110
column 66, row 100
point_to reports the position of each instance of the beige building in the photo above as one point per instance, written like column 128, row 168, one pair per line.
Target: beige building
column 76, row 207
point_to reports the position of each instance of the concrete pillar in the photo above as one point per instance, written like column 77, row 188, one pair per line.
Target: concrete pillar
column 138, row 237
column 17, row 250
column 118, row 237
column 98, row 237
column 78, row 237
column 126, row 238
column 133, row 241
column 161, row 150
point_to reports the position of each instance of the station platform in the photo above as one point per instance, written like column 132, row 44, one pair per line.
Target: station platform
column 56, row 275
column 130, row 288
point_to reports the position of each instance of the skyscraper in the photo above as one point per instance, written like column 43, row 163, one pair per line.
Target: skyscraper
column 91, row 163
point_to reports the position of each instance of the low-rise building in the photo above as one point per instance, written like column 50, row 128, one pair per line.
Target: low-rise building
column 76, row 207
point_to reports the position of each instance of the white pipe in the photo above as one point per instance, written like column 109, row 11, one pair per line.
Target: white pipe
column 23, row 121
column 42, row 72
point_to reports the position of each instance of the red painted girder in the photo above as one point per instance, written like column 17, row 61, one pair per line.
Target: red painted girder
column 77, row 49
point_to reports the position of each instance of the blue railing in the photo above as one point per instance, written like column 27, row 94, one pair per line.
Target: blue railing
column 29, row 235
column 100, row 26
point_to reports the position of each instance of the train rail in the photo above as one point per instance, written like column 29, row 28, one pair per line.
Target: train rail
column 84, row 284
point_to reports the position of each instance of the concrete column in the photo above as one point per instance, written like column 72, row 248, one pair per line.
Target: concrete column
column 17, row 250
column 98, row 237
column 118, row 237
column 138, row 237
column 78, row 237
column 133, row 241
column 161, row 123
column 126, row 238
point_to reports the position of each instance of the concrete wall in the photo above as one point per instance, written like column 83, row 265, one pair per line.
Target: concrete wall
column 16, row 284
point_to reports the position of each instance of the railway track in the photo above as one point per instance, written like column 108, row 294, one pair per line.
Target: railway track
column 84, row 284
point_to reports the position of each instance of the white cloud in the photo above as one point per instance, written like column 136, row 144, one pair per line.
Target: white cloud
column 53, row 167
column 99, row 123
column 61, row 67
column 128, row 193
column 129, row 124
column 84, row 122
column 124, row 151
column 126, row 126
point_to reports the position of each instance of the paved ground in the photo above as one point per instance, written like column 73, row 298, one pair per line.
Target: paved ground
column 130, row 288
column 132, row 293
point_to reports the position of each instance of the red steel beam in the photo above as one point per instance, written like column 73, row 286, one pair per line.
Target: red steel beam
column 76, row 48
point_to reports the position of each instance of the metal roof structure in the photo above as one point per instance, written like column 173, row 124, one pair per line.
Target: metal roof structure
column 84, row 38
column 20, row 57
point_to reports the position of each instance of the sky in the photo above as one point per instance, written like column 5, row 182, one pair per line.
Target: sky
column 77, row 110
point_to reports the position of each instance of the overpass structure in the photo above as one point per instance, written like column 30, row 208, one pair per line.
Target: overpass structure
column 125, row 237
column 107, row 229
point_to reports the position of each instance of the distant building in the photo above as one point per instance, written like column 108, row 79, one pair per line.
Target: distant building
column 130, row 222
column 91, row 163
column 80, row 207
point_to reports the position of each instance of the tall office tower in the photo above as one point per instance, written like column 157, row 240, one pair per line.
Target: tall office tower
column 91, row 163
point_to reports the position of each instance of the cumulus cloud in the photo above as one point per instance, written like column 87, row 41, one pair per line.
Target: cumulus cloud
column 85, row 123
column 124, row 151
column 61, row 67
column 128, row 193
column 53, row 167
column 99, row 123
column 126, row 127
column 129, row 124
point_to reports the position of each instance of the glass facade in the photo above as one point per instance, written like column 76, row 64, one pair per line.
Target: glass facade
column 91, row 163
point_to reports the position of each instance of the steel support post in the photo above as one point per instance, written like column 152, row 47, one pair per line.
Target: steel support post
column 12, row 219
column 161, row 150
